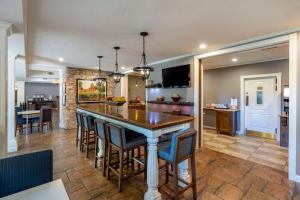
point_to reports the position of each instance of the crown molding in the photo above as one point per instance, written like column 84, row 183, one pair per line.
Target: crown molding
column 6, row 26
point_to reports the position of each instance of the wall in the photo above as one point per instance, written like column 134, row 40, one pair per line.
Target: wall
column 219, row 85
column 20, row 92
column 187, row 94
column 71, row 75
column 133, row 90
column 47, row 89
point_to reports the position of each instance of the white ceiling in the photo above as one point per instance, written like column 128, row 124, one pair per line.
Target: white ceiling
column 12, row 11
column 270, row 53
column 80, row 30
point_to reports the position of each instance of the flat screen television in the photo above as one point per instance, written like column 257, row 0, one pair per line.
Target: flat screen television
column 176, row 77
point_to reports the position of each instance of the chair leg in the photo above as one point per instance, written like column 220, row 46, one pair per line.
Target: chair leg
column 139, row 157
column 127, row 159
column 167, row 173
column 87, row 144
column 193, row 165
column 175, row 181
column 104, row 161
column 132, row 161
column 121, row 170
column 77, row 135
column 145, row 162
column 96, row 151
column 108, row 161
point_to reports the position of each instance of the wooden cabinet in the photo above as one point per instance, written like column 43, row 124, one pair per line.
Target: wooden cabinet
column 226, row 122
column 284, row 130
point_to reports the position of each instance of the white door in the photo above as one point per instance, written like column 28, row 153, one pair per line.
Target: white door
column 261, row 105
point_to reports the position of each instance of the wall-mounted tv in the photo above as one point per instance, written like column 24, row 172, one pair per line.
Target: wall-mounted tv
column 176, row 77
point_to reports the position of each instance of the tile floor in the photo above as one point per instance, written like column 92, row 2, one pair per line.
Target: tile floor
column 259, row 150
column 219, row 176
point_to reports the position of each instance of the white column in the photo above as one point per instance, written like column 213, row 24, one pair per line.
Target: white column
column 4, row 30
column 152, row 171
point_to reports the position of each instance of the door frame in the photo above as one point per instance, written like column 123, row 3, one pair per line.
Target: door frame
column 293, row 41
column 242, row 99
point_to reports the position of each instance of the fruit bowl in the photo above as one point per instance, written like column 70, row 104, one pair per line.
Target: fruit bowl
column 175, row 98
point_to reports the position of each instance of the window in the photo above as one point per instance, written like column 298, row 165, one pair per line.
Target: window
column 259, row 95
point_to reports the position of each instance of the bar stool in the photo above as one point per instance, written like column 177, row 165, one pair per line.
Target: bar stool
column 123, row 141
column 88, row 135
column 181, row 148
column 79, row 127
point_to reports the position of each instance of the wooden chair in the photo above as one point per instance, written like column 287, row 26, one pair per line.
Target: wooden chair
column 46, row 119
column 20, row 121
column 88, row 134
column 123, row 141
column 181, row 148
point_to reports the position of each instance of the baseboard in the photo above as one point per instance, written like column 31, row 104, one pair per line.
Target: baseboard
column 12, row 146
column 295, row 178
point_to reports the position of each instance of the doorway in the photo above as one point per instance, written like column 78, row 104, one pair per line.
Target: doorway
column 262, row 105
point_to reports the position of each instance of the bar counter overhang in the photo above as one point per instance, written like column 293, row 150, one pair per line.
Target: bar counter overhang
column 150, row 124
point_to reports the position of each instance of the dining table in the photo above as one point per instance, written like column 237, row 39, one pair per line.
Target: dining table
column 54, row 190
column 150, row 124
column 27, row 114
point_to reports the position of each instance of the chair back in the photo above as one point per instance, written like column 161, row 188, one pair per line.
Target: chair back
column 100, row 128
column 183, row 145
column 46, row 115
column 88, row 122
column 22, row 172
column 116, row 135
column 78, row 119
column 19, row 118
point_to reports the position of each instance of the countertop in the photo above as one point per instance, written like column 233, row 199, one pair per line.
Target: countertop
column 141, row 118
column 224, row 110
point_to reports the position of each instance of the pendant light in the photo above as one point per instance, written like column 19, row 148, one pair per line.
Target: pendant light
column 117, row 75
column 99, row 71
column 144, row 69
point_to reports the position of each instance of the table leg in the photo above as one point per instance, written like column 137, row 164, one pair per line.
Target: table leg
column 27, row 124
column 152, row 171
column 100, row 147
column 183, row 172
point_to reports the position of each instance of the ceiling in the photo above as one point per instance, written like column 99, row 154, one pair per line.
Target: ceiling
column 270, row 53
column 80, row 30
column 12, row 11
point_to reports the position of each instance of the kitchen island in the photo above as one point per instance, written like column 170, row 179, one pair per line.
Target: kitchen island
column 150, row 124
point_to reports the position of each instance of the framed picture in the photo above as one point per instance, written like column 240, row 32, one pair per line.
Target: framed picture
column 91, row 91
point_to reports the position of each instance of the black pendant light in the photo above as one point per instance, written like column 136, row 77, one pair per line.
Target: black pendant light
column 99, row 70
column 117, row 75
column 144, row 69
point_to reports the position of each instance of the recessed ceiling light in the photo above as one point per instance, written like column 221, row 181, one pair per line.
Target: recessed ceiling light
column 234, row 59
column 61, row 59
column 203, row 46
column 123, row 68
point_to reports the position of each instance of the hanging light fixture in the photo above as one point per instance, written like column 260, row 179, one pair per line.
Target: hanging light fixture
column 136, row 83
column 144, row 69
column 99, row 71
column 116, row 75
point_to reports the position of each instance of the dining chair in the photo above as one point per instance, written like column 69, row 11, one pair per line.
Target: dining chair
column 88, row 133
column 181, row 148
column 124, row 141
column 46, row 118
column 20, row 121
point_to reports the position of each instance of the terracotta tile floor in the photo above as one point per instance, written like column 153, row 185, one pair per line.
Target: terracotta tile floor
column 219, row 176
column 259, row 150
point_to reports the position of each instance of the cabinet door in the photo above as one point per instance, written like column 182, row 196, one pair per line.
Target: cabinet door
column 224, row 122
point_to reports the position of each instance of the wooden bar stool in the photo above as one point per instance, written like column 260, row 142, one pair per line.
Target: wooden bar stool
column 124, row 140
column 87, row 133
column 181, row 148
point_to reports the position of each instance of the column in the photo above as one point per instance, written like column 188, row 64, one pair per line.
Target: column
column 4, row 31
column 152, row 171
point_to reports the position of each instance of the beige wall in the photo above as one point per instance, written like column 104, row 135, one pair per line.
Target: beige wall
column 219, row 85
column 71, row 75
column 134, row 91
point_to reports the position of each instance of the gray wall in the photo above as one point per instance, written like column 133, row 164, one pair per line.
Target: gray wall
column 187, row 94
column 219, row 85
column 41, row 88
column 134, row 91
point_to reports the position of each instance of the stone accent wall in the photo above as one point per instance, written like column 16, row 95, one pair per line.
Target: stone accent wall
column 72, row 74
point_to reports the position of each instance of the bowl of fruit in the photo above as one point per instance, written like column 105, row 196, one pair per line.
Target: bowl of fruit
column 175, row 97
